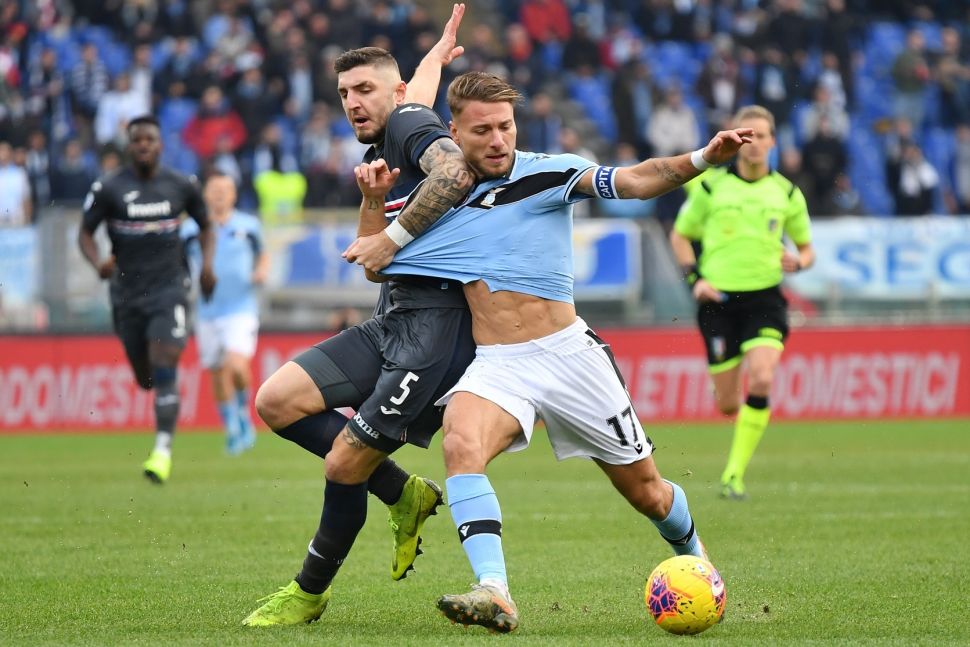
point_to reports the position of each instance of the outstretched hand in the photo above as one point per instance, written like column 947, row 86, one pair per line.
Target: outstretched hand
column 446, row 50
column 726, row 144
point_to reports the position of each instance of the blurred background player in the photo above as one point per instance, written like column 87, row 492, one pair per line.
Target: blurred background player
column 141, row 204
column 739, row 215
column 228, row 322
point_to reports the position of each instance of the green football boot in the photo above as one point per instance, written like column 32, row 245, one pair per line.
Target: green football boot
column 484, row 605
column 419, row 500
column 291, row 605
column 733, row 488
column 158, row 467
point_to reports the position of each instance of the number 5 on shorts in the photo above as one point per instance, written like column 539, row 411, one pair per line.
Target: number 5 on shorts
column 405, row 389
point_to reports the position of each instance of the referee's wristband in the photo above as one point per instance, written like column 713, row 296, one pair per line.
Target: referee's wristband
column 397, row 233
column 691, row 275
column 697, row 159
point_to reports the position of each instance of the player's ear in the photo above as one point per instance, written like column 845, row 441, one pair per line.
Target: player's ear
column 454, row 132
column 399, row 92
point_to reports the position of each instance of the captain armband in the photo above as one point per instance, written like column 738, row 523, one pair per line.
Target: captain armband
column 604, row 182
column 691, row 274
column 398, row 234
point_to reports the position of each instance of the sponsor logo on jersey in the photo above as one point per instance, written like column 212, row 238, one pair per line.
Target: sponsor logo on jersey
column 370, row 431
column 150, row 210
column 390, row 411
column 131, row 196
column 410, row 109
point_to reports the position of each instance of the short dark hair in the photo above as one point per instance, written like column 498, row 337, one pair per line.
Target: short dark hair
column 376, row 56
column 150, row 120
column 480, row 86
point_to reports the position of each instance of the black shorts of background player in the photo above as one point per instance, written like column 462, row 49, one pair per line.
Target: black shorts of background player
column 418, row 340
column 141, row 205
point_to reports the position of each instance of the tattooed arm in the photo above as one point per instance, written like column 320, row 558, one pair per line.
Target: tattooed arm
column 449, row 179
column 654, row 177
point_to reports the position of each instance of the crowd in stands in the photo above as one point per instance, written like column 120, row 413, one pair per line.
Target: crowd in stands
column 872, row 97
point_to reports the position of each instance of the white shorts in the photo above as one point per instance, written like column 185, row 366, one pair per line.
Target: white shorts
column 233, row 333
column 570, row 381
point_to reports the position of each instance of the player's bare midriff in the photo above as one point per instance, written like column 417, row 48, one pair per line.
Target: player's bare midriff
column 504, row 317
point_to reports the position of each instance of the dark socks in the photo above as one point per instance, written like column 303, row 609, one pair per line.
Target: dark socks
column 166, row 398
column 757, row 401
column 344, row 513
column 317, row 433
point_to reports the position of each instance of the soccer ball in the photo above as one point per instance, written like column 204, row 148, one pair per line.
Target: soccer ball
column 685, row 595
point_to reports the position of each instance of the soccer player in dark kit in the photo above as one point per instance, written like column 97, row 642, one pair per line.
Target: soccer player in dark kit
column 142, row 204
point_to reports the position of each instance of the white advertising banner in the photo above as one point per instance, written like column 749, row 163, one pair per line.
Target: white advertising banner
column 888, row 258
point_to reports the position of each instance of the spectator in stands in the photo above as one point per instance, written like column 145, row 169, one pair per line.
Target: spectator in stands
column 580, row 49
column 300, row 84
column 546, row 20
column 179, row 68
column 270, row 152
column 911, row 73
column 520, row 59
column 952, row 71
column 719, row 83
column 281, row 195
column 45, row 86
column 116, row 108
column 774, row 88
column 542, row 126
column 482, row 49
column 15, row 205
column 842, row 200
column 141, row 75
column 255, row 100
column 37, row 163
column 225, row 161
column 632, row 99
column 912, row 181
column 825, row 160
column 672, row 128
column 72, row 175
column 345, row 25
column 570, row 142
column 838, row 32
column 791, row 165
column 790, row 30
column 824, row 108
column 89, row 82
column 215, row 119
column 961, row 170
column 109, row 160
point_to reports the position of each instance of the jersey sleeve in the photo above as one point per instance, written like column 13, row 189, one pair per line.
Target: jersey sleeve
column 188, row 230
column 581, row 166
column 797, row 225
column 194, row 204
column 96, row 205
column 411, row 128
column 693, row 213
column 254, row 232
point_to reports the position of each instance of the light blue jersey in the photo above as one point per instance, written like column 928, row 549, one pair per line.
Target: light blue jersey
column 515, row 233
column 239, row 242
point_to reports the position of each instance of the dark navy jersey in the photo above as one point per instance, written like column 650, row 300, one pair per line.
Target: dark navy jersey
column 411, row 128
column 143, row 217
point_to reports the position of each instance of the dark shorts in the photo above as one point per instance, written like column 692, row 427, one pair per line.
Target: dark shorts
column 391, row 370
column 743, row 321
column 163, row 319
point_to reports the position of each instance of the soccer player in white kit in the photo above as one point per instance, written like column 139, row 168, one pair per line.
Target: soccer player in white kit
column 510, row 243
column 228, row 322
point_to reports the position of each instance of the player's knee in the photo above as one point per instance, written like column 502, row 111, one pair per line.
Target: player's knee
column 461, row 451
column 272, row 406
column 163, row 377
column 759, row 381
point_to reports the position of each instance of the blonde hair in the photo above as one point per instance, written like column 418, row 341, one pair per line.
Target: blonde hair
column 480, row 86
column 755, row 112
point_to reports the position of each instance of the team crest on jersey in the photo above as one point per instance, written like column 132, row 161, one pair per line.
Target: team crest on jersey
column 489, row 200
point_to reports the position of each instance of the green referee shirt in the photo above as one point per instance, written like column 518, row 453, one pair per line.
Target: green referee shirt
column 740, row 225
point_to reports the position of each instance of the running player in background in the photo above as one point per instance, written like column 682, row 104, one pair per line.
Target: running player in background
column 739, row 215
column 510, row 244
column 391, row 368
column 227, row 324
column 141, row 204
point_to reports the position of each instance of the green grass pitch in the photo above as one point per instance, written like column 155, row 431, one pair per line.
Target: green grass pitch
column 856, row 533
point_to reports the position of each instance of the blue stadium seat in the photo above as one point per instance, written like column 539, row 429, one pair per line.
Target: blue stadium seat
column 174, row 114
column 867, row 169
column 673, row 61
column 593, row 95
column 885, row 41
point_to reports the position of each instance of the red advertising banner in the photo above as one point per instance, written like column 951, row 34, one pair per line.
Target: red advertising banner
column 84, row 383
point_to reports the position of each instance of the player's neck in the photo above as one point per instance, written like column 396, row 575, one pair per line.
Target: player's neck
column 145, row 172
column 752, row 172
column 221, row 217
